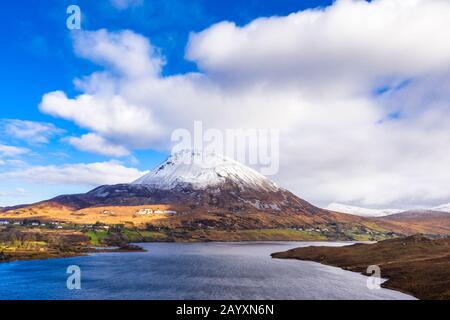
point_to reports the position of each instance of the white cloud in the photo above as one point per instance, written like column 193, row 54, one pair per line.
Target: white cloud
column 125, row 4
column 126, row 52
column 29, row 131
column 110, row 116
column 17, row 193
column 346, row 42
column 94, row 143
column 311, row 74
column 90, row 174
column 12, row 151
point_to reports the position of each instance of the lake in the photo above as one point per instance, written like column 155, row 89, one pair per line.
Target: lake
column 242, row 270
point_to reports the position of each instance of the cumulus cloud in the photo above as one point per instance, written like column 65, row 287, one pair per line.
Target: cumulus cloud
column 346, row 42
column 359, row 91
column 87, row 174
column 30, row 131
column 96, row 144
column 126, row 52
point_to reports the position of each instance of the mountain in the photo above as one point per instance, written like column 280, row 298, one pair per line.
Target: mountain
column 208, row 183
column 208, row 197
column 418, row 214
column 365, row 212
column 359, row 211
column 426, row 221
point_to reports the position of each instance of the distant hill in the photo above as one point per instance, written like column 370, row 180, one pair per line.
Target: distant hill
column 360, row 211
column 366, row 212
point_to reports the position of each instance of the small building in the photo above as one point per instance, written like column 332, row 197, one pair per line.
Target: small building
column 144, row 212
column 157, row 211
column 4, row 222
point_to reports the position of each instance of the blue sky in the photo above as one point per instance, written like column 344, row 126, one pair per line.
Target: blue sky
column 367, row 97
column 39, row 58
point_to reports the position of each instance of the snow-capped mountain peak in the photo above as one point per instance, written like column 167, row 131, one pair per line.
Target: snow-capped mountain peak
column 442, row 208
column 203, row 170
column 363, row 212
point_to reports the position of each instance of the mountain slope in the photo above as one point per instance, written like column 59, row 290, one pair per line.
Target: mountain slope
column 423, row 221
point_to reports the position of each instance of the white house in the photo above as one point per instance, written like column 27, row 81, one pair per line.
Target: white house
column 170, row 212
column 145, row 211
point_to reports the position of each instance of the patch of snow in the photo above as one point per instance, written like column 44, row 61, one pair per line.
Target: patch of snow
column 363, row 212
column 261, row 205
column 101, row 192
column 274, row 206
column 442, row 208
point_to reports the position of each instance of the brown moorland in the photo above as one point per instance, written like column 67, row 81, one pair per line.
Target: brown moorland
column 416, row 264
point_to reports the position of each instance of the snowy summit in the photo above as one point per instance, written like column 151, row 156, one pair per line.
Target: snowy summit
column 203, row 170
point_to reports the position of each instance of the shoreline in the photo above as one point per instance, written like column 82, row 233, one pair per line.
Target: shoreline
column 31, row 256
column 413, row 265
column 384, row 280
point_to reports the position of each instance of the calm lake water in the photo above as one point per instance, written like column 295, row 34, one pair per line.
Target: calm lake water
column 189, row 271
